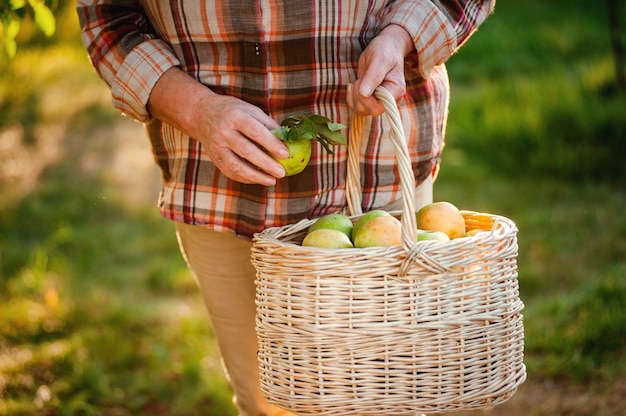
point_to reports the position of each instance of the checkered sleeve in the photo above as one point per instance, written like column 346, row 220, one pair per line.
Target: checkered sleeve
column 438, row 27
column 124, row 51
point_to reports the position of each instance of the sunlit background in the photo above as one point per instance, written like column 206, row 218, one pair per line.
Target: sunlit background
column 99, row 316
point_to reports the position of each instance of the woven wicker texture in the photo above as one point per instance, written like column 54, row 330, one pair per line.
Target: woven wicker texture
column 424, row 327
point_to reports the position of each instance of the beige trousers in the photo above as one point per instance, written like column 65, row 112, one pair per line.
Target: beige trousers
column 221, row 265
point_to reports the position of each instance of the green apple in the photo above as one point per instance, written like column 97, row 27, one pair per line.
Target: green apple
column 365, row 218
column 425, row 235
column 325, row 238
column 297, row 132
column 335, row 221
column 299, row 156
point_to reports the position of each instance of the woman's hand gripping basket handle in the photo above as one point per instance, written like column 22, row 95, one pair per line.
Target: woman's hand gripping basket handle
column 407, row 178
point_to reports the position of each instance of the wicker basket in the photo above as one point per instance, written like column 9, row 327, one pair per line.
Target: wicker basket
column 423, row 327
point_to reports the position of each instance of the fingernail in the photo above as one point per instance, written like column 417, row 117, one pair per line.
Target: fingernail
column 269, row 181
column 366, row 90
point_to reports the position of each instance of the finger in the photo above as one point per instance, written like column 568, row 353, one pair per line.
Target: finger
column 365, row 105
column 260, row 133
column 373, row 76
column 238, row 169
column 349, row 99
column 395, row 84
column 250, row 152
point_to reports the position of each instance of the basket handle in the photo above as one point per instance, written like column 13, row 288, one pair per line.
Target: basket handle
column 407, row 178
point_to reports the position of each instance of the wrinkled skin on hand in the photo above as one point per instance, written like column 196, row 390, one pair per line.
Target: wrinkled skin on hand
column 380, row 64
column 236, row 135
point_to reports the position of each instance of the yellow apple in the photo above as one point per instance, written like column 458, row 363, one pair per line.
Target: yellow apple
column 441, row 216
column 381, row 231
column 297, row 132
column 325, row 238
column 299, row 156
column 365, row 218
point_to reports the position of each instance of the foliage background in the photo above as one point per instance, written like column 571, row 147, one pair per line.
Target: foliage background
column 99, row 316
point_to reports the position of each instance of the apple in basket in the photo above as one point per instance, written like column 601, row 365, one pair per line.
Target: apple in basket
column 426, row 235
column 381, row 231
column 327, row 238
column 336, row 221
column 365, row 218
column 441, row 216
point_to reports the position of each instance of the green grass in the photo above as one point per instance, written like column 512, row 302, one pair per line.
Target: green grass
column 99, row 310
column 99, row 314
column 536, row 133
column 534, row 93
column 572, row 251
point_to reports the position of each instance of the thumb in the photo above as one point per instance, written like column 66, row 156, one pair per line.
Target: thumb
column 366, row 89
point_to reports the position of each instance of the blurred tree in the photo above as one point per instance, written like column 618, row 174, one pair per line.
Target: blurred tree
column 616, row 42
column 14, row 12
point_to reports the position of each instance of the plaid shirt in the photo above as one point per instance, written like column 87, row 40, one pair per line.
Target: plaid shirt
column 287, row 57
